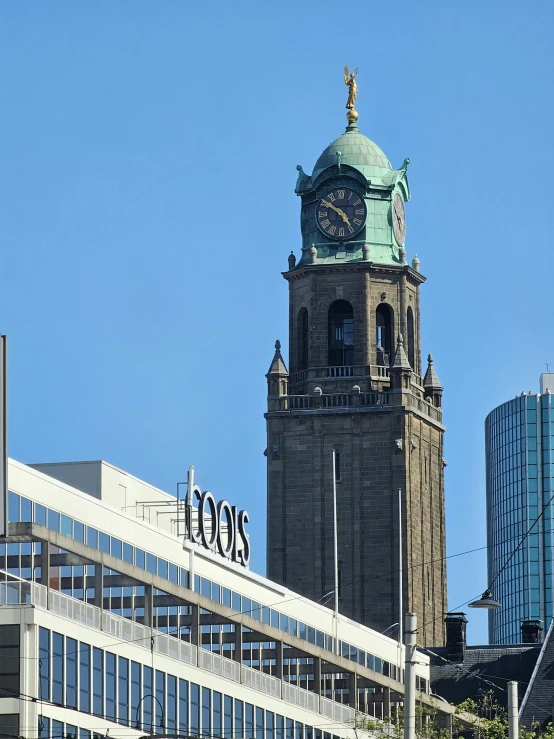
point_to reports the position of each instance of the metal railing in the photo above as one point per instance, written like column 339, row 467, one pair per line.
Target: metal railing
column 26, row 593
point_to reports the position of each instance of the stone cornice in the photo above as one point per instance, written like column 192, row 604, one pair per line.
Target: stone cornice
column 373, row 267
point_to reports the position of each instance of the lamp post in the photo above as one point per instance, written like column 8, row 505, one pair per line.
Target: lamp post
column 485, row 601
column 137, row 718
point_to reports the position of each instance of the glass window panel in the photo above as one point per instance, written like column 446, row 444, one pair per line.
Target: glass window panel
column 239, row 717
column 226, row 600
column 67, row 526
column 110, row 687
column 159, row 703
column 227, row 717
column 163, row 568
column 248, row 720
column 195, row 709
column 53, row 520
column 57, row 729
column 206, row 588
column 104, row 542
column 98, row 682
column 216, row 592
column 274, row 619
column 289, row 726
column 183, row 706
column 40, row 514
column 206, row 712
column 140, row 558
column 279, row 727
column 92, row 537
column 26, row 513
column 70, row 731
column 270, row 725
column 57, row 668
column 123, row 691
column 44, row 664
column 171, row 712
column 84, row 734
column 116, row 548
column 217, row 712
column 265, row 615
column 151, row 563
column 79, row 531
column 236, row 604
column 173, row 573
column 71, row 673
column 148, row 700
column 43, row 727
column 84, row 677
column 127, row 553
column 259, row 723
column 184, row 578
column 13, row 506
column 136, row 693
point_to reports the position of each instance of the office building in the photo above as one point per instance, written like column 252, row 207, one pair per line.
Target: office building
column 520, row 460
column 124, row 610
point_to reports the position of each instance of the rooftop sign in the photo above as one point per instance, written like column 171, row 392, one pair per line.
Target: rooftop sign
column 219, row 527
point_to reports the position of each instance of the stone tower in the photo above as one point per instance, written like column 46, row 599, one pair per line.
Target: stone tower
column 355, row 384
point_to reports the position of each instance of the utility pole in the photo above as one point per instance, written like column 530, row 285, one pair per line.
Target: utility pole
column 513, row 726
column 410, row 633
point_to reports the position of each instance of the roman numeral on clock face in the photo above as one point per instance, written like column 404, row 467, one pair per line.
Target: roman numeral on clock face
column 340, row 194
column 325, row 223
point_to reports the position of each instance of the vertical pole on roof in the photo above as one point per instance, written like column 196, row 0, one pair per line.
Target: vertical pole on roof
column 335, row 551
column 513, row 726
column 410, row 677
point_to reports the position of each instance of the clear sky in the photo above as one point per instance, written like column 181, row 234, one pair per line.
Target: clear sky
column 147, row 208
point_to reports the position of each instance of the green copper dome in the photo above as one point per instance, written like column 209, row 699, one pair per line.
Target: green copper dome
column 356, row 150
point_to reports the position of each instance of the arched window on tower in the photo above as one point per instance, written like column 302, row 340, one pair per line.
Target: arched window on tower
column 384, row 323
column 411, row 338
column 341, row 334
column 302, row 339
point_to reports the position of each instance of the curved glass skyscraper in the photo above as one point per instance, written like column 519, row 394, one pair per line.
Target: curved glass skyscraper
column 520, row 464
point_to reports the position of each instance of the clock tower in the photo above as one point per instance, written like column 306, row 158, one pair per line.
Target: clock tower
column 354, row 389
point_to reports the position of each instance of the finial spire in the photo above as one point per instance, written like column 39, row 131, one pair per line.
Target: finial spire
column 350, row 82
column 277, row 366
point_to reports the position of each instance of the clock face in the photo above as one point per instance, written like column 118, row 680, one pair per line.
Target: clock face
column 398, row 219
column 341, row 213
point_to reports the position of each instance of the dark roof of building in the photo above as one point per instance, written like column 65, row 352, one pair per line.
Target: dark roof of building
column 538, row 704
column 484, row 667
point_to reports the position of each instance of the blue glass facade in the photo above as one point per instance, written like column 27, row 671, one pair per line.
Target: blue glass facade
column 520, row 458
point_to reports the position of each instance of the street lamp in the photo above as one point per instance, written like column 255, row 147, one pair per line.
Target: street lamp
column 485, row 601
column 137, row 718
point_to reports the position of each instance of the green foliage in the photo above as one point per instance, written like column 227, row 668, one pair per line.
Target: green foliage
column 483, row 719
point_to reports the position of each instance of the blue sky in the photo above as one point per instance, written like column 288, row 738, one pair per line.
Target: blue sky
column 147, row 208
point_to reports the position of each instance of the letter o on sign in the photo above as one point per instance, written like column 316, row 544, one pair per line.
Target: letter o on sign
column 208, row 502
column 224, row 511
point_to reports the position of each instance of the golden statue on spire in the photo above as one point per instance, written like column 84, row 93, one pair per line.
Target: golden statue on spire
column 350, row 82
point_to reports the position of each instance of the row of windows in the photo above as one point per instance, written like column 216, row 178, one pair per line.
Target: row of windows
column 76, row 675
column 264, row 725
column 24, row 509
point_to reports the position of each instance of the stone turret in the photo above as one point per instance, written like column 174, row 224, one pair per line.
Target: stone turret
column 400, row 369
column 431, row 384
column 277, row 380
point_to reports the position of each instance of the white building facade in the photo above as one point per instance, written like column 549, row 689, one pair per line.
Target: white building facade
column 113, row 623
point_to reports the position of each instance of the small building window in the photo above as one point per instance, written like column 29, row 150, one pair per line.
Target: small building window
column 411, row 337
column 341, row 334
column 384, row 324
column 302, row 339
